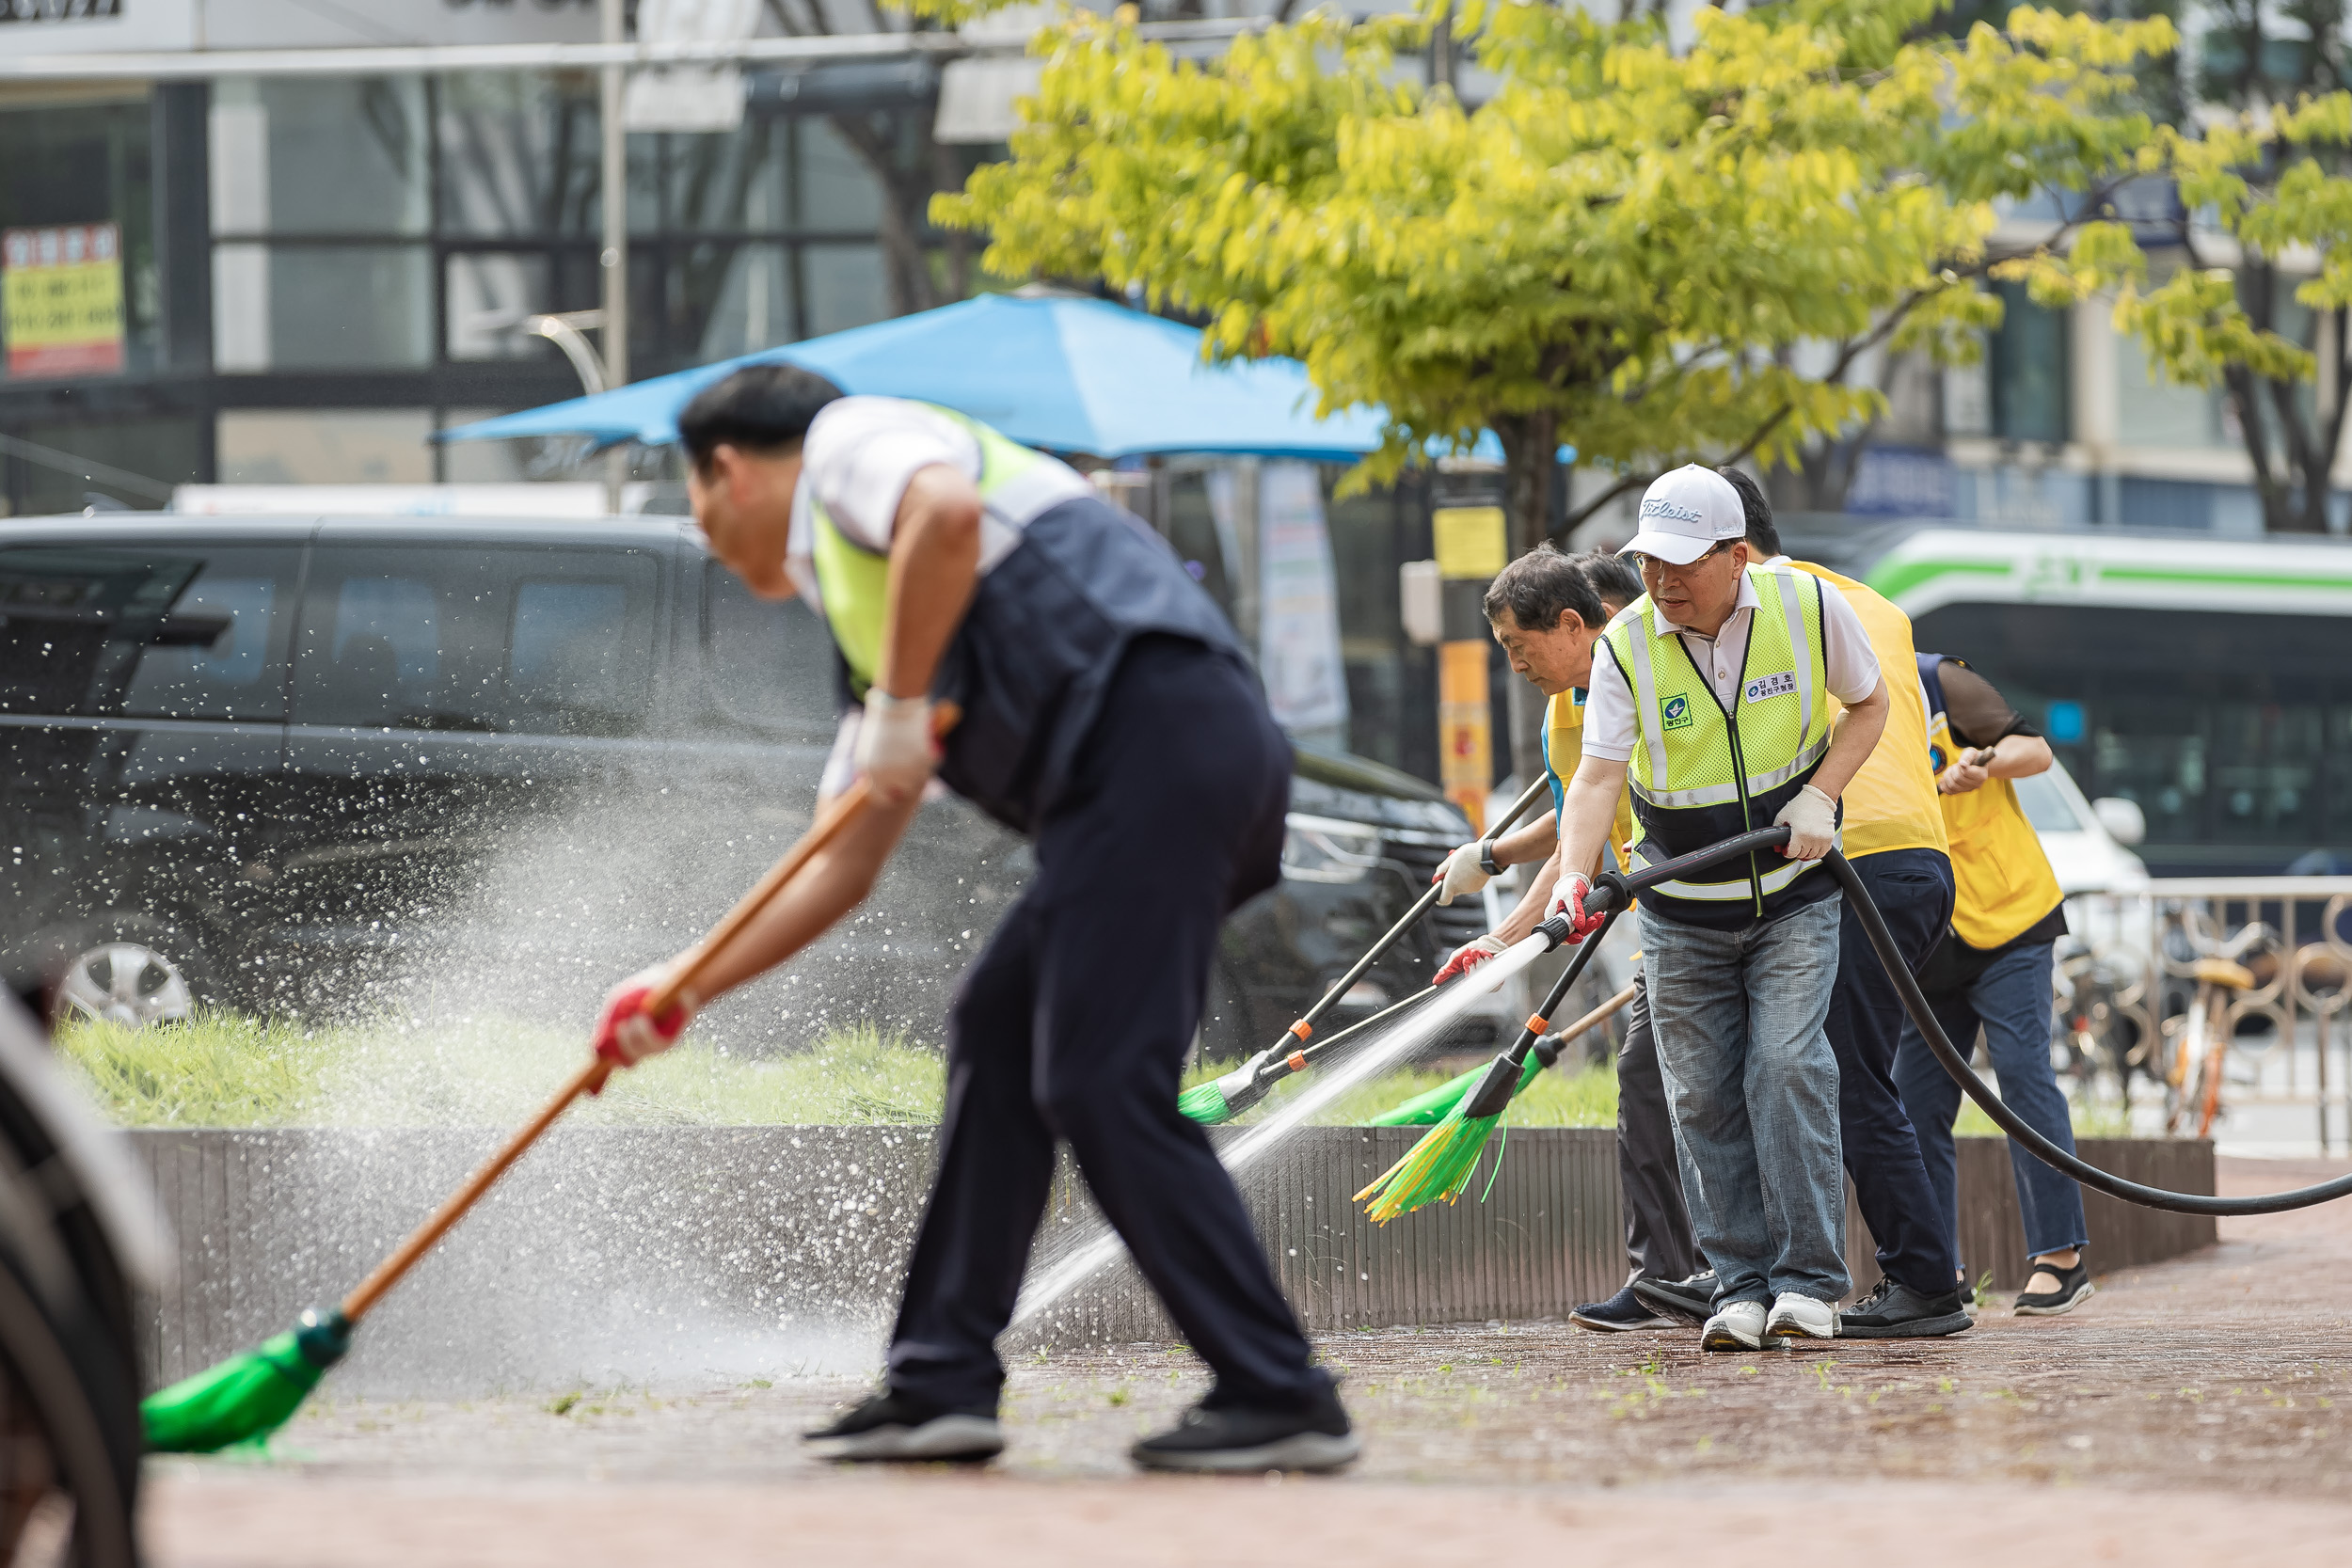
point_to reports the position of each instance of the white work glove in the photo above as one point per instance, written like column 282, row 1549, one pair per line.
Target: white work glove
column 1568, row 897
column 1462, row 873
column 1970, row 772
column 895, row 749
column 1812, row 820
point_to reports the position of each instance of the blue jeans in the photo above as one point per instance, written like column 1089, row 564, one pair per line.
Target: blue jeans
column 1753, row 1085
column 2011, row 1000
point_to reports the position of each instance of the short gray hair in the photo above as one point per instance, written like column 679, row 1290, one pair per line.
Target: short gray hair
column 1539, row 585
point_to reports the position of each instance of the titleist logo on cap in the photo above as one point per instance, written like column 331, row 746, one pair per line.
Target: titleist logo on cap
column 1658, row 506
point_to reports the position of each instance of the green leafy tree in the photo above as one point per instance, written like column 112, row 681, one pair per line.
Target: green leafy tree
column 1624, row 248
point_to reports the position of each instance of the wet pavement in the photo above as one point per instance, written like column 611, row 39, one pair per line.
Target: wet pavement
column 2197, row 1411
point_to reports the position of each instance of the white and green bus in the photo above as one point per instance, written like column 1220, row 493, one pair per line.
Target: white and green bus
column 2208, row 680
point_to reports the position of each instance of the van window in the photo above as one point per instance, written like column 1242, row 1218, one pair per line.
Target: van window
column 772, row 662
column 160, row 632
column 572, row 665
column 443, row 635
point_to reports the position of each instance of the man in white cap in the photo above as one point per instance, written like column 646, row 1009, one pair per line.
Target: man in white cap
column 1711, row 697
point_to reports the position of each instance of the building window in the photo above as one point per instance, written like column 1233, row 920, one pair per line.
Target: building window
column 2027, row 361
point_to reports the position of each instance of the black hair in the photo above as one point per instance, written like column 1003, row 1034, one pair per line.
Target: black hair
column 1613, row 577
column 1539, row 585
column 759, row 408
column 1762, row 532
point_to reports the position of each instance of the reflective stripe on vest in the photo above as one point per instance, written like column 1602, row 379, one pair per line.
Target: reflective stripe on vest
column 854, row 581
column 2003, row 879
column 1702, row 772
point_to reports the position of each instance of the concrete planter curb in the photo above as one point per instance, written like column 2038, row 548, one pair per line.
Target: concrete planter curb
column 670, row 1255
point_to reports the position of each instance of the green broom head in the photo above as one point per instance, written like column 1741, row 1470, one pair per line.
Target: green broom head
column 247, row 1396
column 1440, row 1164
column 1431, row 1106
column 1205, row 1104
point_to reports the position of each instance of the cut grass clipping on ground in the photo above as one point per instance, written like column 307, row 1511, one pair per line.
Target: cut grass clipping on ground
column 227, row 1070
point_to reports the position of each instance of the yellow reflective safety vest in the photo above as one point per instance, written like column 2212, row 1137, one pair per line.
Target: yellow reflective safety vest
column 1702, row 772
column 854, row 581
column 1891, row 801
column 1564, row 749
column 2003, row 875
column 1044, row 632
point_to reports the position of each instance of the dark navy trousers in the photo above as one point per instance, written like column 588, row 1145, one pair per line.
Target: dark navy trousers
column 1913, row 890
column 1075, row 1022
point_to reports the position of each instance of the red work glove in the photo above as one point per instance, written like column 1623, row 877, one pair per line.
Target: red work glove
column 1568, row 897
column 1468, row 956
column 627, row 1034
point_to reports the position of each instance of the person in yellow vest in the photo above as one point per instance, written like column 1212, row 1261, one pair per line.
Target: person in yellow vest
column 1994, row 969
column 1718, row 701
column 1108, row 714
column 1547, row 609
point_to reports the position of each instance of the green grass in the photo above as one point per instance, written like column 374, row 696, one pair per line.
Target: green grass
column 227, row 1070
column 1587, row 1097
column 2090, row 1121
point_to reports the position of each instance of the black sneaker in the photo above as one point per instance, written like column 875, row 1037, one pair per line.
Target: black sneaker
column 893, row 1426
column 1232, row 1439
column 1899, row 1312
column 1692, row 1298
column 2074, row 1289
column 1625, row 1310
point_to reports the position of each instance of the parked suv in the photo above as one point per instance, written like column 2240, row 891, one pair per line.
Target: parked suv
column 329, row 767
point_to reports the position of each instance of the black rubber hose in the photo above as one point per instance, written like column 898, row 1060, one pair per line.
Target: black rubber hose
column 2041, row 1149
column 1915, row 1001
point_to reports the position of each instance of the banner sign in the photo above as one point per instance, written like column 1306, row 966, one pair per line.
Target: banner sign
column 61, row 299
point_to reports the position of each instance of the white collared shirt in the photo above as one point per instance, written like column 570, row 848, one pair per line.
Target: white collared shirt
column 859, row 456
column 1610, row 727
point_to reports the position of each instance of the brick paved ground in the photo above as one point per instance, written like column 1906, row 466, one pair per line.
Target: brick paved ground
column 2198, row 1410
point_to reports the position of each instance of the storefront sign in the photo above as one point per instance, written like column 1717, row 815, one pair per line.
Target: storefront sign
column 61, row 299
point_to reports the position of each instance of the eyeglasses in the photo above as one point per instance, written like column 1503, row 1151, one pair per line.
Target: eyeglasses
column 1651, row 564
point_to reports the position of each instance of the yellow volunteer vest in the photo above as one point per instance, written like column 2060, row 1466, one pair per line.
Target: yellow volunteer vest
column 1891, row 803
column 2004, row 878
column 1564, row 749
column 1701, row 772
column 854, row 581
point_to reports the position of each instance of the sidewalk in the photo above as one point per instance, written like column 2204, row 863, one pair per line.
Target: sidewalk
column 2193, row 1412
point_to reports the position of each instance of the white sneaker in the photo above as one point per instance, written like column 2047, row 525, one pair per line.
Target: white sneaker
column 1796, row 1317
column 1738, row 1326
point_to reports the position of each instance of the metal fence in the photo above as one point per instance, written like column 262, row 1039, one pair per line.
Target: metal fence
column 2253, row 973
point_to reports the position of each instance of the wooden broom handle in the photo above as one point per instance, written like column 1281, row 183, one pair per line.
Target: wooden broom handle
column 846, row 807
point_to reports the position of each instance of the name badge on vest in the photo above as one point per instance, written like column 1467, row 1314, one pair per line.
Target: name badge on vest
column 1765, row 688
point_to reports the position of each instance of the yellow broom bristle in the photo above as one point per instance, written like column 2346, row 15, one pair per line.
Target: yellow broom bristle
column 1438, row 1167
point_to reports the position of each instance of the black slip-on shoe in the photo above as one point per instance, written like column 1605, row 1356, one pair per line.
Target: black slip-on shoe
column 1234, row 1439
column 892, row 1426
column 1622, row 1311
column 1692, row 1298
column 2074, row 1289
column 1895, row 1311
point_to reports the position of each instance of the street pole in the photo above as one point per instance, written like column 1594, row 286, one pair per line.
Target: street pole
column 615, row 255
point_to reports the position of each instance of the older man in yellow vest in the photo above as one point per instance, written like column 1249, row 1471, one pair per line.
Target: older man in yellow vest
column 1718, row 701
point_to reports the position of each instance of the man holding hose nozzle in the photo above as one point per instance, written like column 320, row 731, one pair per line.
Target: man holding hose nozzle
column 1106, row 712
column 1713, row 702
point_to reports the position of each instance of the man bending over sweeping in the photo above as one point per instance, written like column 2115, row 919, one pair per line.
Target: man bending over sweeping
column 1106, row 713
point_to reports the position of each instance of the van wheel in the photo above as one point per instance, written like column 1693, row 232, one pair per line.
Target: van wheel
column 135, row 971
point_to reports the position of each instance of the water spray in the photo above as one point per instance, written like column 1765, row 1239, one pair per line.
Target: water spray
column 251, row 1395
column 1223, row 1098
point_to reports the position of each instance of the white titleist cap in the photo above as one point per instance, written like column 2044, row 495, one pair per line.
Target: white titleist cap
column 1685, row 513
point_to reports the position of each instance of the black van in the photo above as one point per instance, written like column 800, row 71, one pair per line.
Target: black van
column 313, row 766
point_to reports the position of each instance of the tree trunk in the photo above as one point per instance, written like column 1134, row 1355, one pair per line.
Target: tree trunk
column 1530, row 446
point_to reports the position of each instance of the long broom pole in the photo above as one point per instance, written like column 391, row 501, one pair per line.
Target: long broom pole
column 1226, row 1098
